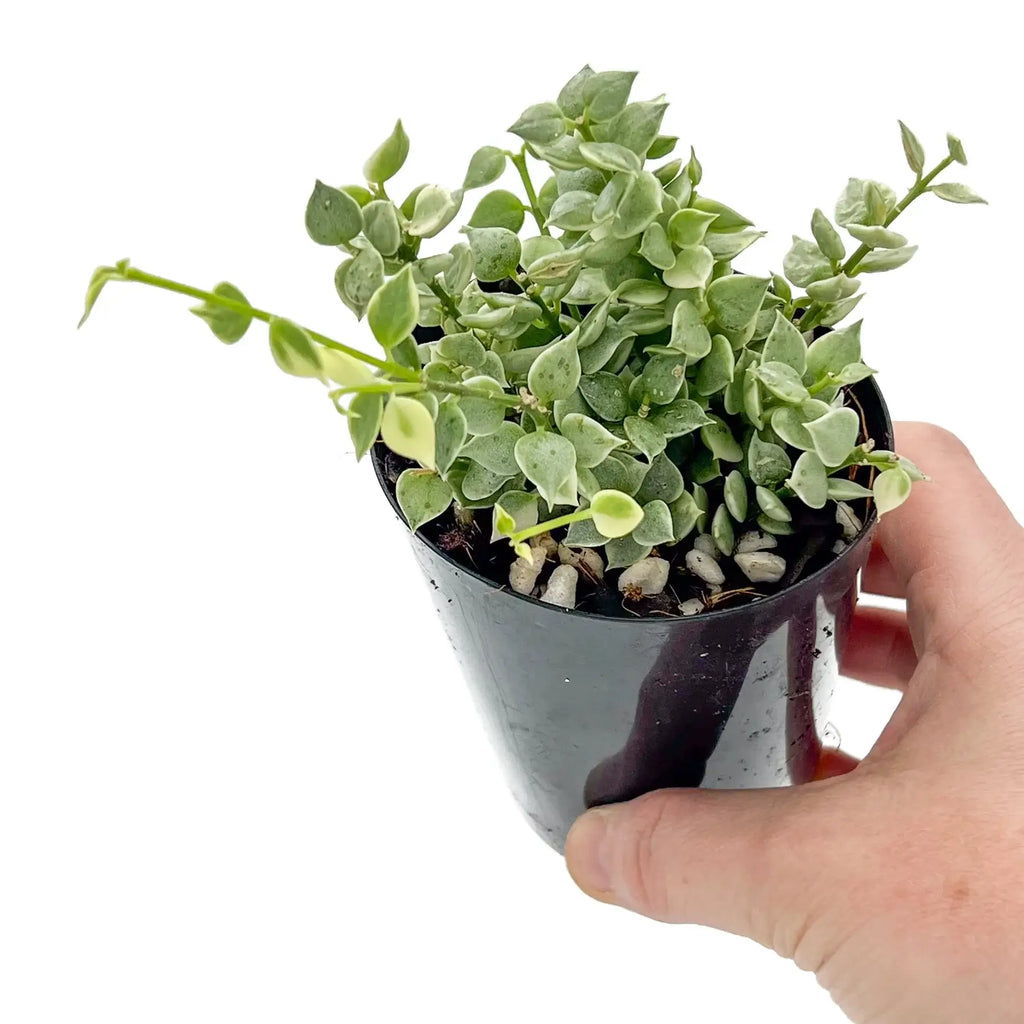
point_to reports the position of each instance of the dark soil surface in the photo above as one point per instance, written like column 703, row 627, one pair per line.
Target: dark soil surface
column 806, row 551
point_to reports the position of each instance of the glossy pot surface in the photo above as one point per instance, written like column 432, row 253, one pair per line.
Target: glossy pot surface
column 585, row 709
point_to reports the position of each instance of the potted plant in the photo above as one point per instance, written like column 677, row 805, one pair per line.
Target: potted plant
column 640, row 481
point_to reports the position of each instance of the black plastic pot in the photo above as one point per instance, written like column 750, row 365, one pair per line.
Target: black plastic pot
column 586, row 710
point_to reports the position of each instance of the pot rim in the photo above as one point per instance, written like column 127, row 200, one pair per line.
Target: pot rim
column 808, row 583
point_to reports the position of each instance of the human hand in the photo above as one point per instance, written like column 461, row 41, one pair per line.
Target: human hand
column 898, row 881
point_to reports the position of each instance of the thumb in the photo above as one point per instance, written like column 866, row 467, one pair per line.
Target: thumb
column 736, row 860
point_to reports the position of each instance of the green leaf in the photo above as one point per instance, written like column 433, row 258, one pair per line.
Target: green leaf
column 520, row 513
column 606, row 394
column 365, row 413
column 685, row 513
column 450, row 432
column 573, row 211
column 422, row 495
column 735, row 301
column 358, row 279
column 805, row 263
column 556, row 372
column 662, row 481
column 496, row 252
column 606, row 93
column 772, row 506
column 682, row 417
column 829, row 242
column 571, row 99
column 727, row 245
column 664, row 376
column 689, row 333
column 408, row 429
column 832, row 289
column 752, row 404
column 98, row 281
column 809, row 480
column 361, row 195
column 292, row 349
column 332, row 216
column 639, row 206
column 885, row 259
column 913, row 149
column 785, row 344
column 954, row 193
column 485, row 167
column 717, row 369
column 864, row 202
column 790, row 423
column 767, row 463
column 636, row 126
column 655, row 247
column 343, row 369
column 591, row 439
column 615, row 514
column 876, row 236
column 228, row 325
column 852, row 373
column 837, row 311
column 726, row 219
column 483, row 416
column 388, row 157
column 891, row 488
column 548, row 460
column 645, row 437
column 783, row 382
column 688, row 227
column 656, row 525
column 394, row 309
column 662, row 146
column 775, row 526
column 542, row 123
column 435, row 208
column 718, row 439
column 735, row 494
column 479, row 483
column 842, row 489
column 624, row 551
column 585, row 179
column 834, row 435
column 610, row 156
column 956, row 149
column 641, row 292
column 832, row 351
column 691, row 269
column 721, row 530
column 496, row 451
column 381, row 227
column 498, row 209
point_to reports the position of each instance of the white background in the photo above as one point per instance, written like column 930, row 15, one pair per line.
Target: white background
column 240, row 779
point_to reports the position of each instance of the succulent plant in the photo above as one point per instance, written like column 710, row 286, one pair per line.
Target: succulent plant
column 610, row 369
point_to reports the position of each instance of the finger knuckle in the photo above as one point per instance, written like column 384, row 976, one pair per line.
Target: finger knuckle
column 640, row 846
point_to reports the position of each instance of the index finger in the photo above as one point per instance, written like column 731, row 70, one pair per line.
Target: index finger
column 950, row 539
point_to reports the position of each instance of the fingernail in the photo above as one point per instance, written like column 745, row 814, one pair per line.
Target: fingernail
column 585, row 852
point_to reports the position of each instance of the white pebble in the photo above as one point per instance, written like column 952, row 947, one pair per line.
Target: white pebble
column 692, row 607
column 705, row 543
column 522, row 575
column 754, row 540
column 847, row 519
column 839, row 547
column 761, row 566
column 703, row 565
column 587, row 560
column 547, row 544
column 561, row 589
column 649, row 574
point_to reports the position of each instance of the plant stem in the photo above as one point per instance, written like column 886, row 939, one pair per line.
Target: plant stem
column 509, row 401
column 519, row 160
column 447, row 302
column 395, row 369
column 814, row 312
column 552, row 524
